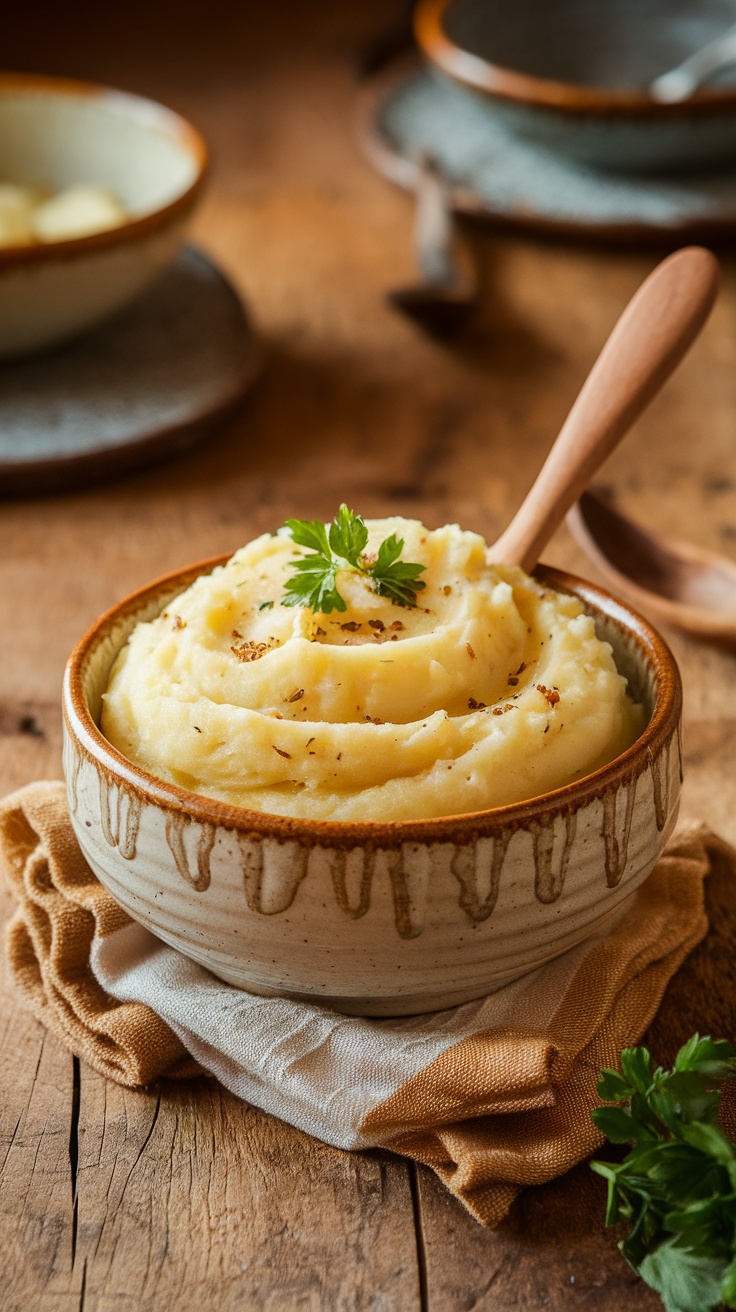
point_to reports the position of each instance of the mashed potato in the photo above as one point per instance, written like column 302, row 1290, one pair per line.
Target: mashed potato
column 491, row 690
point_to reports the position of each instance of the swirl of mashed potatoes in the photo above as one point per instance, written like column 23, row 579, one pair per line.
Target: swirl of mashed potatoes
column 491, row 690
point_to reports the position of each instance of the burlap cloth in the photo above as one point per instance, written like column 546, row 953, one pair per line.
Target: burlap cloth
column 493, row 1095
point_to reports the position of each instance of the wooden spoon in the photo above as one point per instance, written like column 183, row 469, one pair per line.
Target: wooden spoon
column 654, row 332
column 682, row 584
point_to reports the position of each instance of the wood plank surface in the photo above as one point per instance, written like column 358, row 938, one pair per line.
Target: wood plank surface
column 164, row 1201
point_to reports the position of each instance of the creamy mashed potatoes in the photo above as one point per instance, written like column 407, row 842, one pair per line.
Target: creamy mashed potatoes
column 491, row 690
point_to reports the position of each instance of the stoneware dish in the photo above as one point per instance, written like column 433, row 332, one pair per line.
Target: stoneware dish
column 55, row 134
column 574, row 75
column 374, row 919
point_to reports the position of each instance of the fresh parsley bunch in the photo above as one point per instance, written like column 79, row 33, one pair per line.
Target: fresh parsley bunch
column 341, row 545
column 677, row 1185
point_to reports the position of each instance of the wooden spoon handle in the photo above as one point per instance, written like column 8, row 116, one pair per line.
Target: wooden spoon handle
column 653, row 334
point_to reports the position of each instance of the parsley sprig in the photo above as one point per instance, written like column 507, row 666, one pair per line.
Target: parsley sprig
column 341, row 545
column 677, row 1185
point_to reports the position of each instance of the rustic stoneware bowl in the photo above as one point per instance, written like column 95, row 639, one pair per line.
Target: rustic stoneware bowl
column 574, row 74
column 55, row 134
column 371, row 918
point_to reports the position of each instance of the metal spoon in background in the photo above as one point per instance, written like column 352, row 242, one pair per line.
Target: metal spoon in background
column 448, row 288
column 653, row 334
column 683, row 81
column 682, row 584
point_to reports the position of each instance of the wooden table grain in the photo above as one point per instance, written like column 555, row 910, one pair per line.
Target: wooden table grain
column 182, row 1197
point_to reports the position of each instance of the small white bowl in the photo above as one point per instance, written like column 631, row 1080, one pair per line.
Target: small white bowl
column 56, row 134
column 377, row 919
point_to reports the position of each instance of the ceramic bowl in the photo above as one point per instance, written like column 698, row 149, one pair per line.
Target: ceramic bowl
column 573, row 74
column 55, row 134
column 374, row 918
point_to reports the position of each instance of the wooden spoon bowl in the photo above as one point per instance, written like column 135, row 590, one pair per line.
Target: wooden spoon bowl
column 678, row 582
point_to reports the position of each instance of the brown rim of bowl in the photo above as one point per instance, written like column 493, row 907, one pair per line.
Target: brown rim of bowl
column 347, row 833
column 175, row 125
column 523, row 88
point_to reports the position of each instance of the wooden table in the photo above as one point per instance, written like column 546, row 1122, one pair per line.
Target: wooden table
column 182, row 1197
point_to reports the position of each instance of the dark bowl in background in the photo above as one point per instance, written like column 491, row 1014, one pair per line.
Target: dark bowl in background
column 573, row 74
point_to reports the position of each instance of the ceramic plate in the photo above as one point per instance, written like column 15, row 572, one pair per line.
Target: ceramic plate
column 408, row 110
column 149, row 383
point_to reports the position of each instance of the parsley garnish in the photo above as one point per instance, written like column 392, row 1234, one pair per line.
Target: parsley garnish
column 341, row 545
column 677, row 1185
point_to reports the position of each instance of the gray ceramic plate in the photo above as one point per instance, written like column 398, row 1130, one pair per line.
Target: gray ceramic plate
column 409, row 110
column 150, row 383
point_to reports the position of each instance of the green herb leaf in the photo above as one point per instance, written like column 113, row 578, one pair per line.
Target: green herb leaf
column 612, row 1087
column 396, row 578
column 388, row 552
column 313, row 585
column 714, row 1057
column 310, row 533
column 684, row 1282
column 615, row 1123
column 728, row 1285
column 348, row 536
column 636, row 1065
column 339, row 546
column 677, row 1185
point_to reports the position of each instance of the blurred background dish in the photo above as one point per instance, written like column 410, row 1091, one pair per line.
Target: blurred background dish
column 57, row 134
column 575, row 75
column 153, row 382
column 495, row 173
